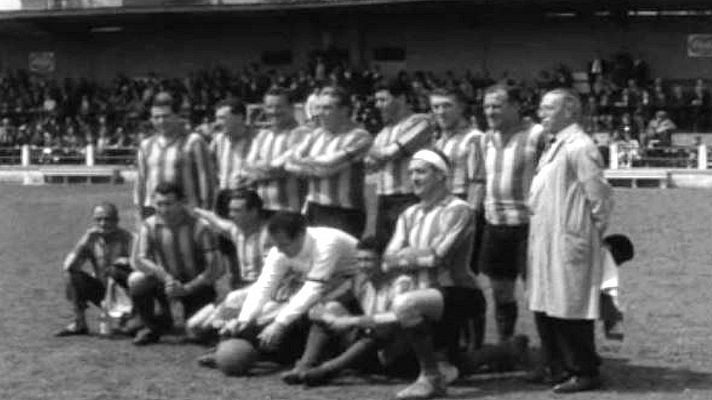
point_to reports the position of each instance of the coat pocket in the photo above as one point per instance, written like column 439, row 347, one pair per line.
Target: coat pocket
column 578, row 250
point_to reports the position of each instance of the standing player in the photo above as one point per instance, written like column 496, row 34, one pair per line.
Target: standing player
column 172, row 155
column 331, row 159
column 512, row 148
column 402, row 135
column 108, row 248
column 272, row 147
column 231, row 143
column 175, row 258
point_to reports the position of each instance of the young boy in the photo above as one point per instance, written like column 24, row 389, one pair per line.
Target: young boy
column 617, row 249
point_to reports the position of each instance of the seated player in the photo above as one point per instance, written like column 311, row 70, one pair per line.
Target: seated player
column 349, row 319
column 305, row 265
column 618, row 249
column 247, row 231
column 176, row 261
column 433, row 244
column 108, row 248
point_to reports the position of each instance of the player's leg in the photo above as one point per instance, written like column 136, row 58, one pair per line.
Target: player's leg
column 81, row 288
column 145, row 290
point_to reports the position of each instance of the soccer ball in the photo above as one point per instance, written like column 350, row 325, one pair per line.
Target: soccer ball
column 234, row 357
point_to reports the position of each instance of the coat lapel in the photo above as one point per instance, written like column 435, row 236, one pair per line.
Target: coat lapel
column 561, row 138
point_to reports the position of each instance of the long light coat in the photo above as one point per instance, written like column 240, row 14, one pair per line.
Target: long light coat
column 570, row 202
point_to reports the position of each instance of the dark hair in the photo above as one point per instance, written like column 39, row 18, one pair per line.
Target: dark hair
column 237, row 107
column 291, row 223
column 223, row 197
column 339, row 93
column 165, row 99
column 166, row 188
column 110, row 209
column 621, row 248
column 513, row 92
column 395, row 87
column 454, row 93
column 371, row 243
column 279, row 92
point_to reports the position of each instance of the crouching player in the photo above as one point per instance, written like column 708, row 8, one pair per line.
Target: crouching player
column 351, row 323
column 108, row 248
column 305, row 265
column 247, row 231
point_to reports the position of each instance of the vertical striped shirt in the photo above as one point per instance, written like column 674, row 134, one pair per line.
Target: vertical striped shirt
column 251, row 251
column 271, row 149
column 185, row 161
column 445, row 228
column 101, row 250
column 510, row 169
column 180, row 249
column 457, row 146
column 411, row 134
column 230, row 155
column 341, row 185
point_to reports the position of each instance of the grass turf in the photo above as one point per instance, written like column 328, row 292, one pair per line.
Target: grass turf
column 666, row 289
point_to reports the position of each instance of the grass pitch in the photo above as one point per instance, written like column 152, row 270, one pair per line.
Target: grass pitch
column 667, row 353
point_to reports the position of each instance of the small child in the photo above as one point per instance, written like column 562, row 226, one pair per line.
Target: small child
column 617, row 249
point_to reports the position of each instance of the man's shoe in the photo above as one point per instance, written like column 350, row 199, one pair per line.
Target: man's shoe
column 449, row 372
column 146, row 336
column 208, row 360
column 578, row 384
column 73, row 329
column 545, row 376
column 425, row 387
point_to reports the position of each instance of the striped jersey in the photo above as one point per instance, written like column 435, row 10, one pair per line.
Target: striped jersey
column 457, row 146
column 229, row 155
column 185, row 160
column 271, row 149
column 341, row 185
column 101, row 250
column 446, row 229
column 510, row 168
column 179, row 249
column 411, row 134
column 251, row 251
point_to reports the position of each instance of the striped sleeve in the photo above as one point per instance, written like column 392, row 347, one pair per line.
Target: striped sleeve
column 415, row 134
column 78, row 256
column 141, row 176
column 205, row 243
column 258, row 293
column 202, row 171
column 399, row 239
column 476, row 171
column 457, row 225
column 354, row 149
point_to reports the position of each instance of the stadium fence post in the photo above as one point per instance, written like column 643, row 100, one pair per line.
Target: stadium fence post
column 702, row 156
column 90, row 155
column 613, row 152
column 25, row 155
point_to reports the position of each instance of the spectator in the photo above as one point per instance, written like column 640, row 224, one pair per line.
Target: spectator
column 659, row 132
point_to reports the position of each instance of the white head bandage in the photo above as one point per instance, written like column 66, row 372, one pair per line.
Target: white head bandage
column 434, row 159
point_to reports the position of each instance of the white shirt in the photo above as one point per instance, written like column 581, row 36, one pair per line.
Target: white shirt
column 327, row 255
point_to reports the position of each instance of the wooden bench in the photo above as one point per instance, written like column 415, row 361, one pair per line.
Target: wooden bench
column 634, row 175
column 84, row 175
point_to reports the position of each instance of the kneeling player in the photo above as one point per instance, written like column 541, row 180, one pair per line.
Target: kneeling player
column 108, row 248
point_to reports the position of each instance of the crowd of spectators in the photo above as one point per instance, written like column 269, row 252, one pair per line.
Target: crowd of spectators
column 68, row 114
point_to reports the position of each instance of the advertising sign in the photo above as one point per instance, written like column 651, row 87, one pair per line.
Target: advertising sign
column 699, row 45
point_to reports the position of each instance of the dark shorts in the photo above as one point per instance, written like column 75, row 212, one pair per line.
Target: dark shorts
column 504, row 251
column 460, row 305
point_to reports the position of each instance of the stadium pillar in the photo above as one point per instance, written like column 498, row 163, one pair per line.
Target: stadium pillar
column 90, row 155
column 613, row 152
column 25, row 155
column 702, row 156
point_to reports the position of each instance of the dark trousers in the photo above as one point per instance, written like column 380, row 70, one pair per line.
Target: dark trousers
column 83, row 288
column 568, row 344
column 153, row 290
column 350, row 221
column 389, row 208
column 464, row 308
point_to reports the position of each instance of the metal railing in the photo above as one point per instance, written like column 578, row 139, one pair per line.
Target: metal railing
column 687, row 157
column 27, row 155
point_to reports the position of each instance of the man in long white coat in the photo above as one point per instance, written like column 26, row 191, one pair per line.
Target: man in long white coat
column 570, row 203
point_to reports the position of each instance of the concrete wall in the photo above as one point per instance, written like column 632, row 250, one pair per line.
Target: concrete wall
column 432, row 42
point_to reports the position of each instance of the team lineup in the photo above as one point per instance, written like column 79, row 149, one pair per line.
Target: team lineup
column 281, row 211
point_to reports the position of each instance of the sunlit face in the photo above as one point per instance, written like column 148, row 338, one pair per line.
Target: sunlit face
column 167, row 206
column 387, row 105
column 277, row 110
column 226, row 121
column 164, row 120
column 499, row 112
column 288, row 246
column 369, row 262
column 552, row 113
column 447, row 111
column 104, row 220
column 424, row 177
